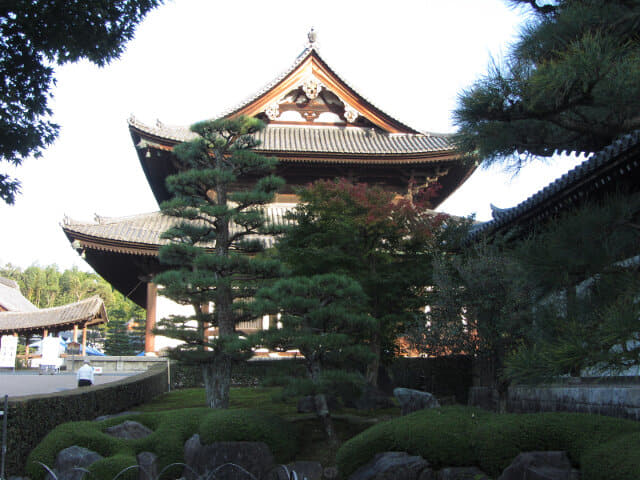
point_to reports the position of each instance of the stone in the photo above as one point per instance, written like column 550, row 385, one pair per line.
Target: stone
column 306, row 469
column 229, row 460
column 372, row 399
column 115, row 415
column 413, row 400
column 393, row 466
column 539, row 466
column 461, row 473
column 307, row 404
column 147, row 466
column 71, row 462
column 129, row 430
column 330, row 473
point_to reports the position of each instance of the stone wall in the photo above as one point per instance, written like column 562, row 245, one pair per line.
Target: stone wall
column 612, row 397
column 115, row 364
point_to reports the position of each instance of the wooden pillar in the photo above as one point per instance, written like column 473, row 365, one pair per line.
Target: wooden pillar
column 26, row 350
column 75, row 333
column 149, row 337
column 45, row 334
column 84, row 339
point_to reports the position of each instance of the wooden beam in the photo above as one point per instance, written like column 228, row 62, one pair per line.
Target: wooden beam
column 149, row 337
column 84, row 339
column 75, row 333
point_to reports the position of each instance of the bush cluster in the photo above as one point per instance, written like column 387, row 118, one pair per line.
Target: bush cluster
column 31, row 417
column 171, row 429
column 463, row 436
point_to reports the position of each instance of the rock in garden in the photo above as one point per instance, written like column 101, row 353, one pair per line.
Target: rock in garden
column 414, row 400
column 372, row 399
column 70, row 461
column 114, row 415
column 308, row 470
column 147, row 466
column 461, row 473
column 307, row 404
column 394, row 466
column 129, row 430
column 540, row 466
column 229, row 460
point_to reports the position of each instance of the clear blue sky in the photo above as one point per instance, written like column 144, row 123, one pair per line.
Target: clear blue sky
column 192, row 59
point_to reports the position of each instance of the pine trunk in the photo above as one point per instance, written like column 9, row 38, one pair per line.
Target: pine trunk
column 217, row 380
column 322, row 410
column 371, row 375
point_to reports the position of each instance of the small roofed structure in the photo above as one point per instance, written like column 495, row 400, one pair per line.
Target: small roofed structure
column 27, row 320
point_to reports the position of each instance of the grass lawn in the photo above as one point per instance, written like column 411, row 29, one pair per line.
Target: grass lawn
column 313, row 446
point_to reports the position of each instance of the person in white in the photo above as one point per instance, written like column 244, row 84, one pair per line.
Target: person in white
column 85, row 375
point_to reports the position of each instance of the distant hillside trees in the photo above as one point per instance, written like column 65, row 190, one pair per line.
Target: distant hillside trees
column 49, row 287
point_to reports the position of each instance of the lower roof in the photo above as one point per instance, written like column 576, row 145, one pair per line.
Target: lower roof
column 90, row 311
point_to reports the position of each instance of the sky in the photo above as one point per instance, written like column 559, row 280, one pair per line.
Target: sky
column 193, row 59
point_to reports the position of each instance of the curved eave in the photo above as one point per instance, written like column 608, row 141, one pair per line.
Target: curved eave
column 85, row 321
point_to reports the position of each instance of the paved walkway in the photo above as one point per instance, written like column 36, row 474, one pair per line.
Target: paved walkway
column 20, row 383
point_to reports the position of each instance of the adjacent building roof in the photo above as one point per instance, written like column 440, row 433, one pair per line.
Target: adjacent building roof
column 87, row 312
column 615, row 165
column 11, row 299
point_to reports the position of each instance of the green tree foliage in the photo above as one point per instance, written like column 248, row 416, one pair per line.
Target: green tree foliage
column 583, row 274
column 570, row 83
column 478, row 305
column 322, row 317
column 211, row 210
column 560, row 301
column 48, row 287
column 385, row 244
column 35, row 36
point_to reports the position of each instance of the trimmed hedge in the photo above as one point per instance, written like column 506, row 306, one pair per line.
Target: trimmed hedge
column 32, row 417
column 464, row 436
column 171, row 430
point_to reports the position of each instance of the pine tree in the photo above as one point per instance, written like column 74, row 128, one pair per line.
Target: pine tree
column 322, row 316
column 214, row 254
column 570, row 83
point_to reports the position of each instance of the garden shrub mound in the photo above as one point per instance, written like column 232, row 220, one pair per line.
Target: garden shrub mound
column 171, row 429
column 463, row 436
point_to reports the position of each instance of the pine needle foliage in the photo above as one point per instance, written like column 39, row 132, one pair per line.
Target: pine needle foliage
column 322, row 316
column 214, row 257
column 569, row 83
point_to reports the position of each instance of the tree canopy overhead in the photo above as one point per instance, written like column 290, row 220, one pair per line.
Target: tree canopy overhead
column 35, row 35
column 569, row 83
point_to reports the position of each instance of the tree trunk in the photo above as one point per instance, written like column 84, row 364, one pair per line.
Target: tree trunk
column 373, row 366
column 217, row 380
column 322, row 410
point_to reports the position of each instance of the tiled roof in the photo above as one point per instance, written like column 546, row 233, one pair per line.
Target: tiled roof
column 84, row 310
column 146, row 228
column 11, row 299
column 504, row 216
column 329, row 140
column 309, row 49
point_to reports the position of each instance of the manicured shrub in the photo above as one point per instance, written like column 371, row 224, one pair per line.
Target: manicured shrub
column 250, row 425
column 171, row 429
column 618, row 458
column 459, row 436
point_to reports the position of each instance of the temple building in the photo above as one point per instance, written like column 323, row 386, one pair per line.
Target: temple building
column 317, row 125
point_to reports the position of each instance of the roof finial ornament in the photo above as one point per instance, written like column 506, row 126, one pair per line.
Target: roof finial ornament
column 312, row 36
